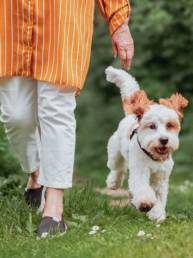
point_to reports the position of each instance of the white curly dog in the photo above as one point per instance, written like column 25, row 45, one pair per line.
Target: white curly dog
column 143, row 143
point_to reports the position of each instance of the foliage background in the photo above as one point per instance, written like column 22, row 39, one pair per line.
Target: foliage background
column 163, row 35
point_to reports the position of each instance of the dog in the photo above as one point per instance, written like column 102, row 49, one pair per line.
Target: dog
column 143, row 144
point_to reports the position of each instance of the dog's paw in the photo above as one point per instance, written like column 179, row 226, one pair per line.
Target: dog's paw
column 111, row 185
column 144, row 204
column 113, row 181
column 157, row 214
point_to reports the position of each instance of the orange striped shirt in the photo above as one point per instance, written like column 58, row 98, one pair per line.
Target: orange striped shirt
column 50, row 40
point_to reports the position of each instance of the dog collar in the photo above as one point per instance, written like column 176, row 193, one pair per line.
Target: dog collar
column 144, row 150
column 133, row 133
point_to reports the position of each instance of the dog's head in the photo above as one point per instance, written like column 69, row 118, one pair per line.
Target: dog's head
column 159, row 124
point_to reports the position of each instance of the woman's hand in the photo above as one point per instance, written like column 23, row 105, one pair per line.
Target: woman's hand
column 123, row 45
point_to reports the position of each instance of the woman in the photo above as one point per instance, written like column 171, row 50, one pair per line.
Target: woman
column 44, row 58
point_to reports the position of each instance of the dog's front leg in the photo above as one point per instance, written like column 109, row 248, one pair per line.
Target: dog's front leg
column 144, row 197
column 158, row 213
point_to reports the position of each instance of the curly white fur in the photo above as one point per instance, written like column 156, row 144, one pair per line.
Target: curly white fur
column 148, row 178
column 127, row 84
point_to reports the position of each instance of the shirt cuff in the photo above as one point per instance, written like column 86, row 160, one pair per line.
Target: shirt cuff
column 119, row 18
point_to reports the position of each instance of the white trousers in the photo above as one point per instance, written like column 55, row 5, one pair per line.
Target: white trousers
column 40, row 124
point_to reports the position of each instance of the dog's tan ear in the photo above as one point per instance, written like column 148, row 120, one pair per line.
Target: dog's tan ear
column 176, row 102
column 137, row 103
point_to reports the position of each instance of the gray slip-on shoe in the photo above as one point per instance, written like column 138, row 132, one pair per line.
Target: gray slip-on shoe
column 50, row 226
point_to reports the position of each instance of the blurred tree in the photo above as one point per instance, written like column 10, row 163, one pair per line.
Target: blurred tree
column 163, row 36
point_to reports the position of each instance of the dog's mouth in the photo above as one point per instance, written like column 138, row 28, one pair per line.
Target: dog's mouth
column 162, row 150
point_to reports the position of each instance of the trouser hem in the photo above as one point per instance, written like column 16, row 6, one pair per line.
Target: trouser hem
column 30, row 171
column 54, row 185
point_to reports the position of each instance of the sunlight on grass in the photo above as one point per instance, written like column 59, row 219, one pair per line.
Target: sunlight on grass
column 117, row 231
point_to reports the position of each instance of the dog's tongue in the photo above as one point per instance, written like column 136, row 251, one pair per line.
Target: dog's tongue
column 162, row 150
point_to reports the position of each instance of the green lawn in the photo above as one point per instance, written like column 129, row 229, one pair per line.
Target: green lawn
column 118, row 227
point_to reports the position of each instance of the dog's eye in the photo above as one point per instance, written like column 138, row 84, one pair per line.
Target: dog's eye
column 170, row 126
column 173, row 126
column 153, row 126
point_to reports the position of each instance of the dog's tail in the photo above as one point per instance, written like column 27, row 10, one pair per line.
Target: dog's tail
column 127, row 84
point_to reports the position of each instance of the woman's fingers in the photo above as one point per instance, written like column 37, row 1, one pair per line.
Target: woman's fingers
column 114, row 47
column 122, row 56
column 129, row 54
column 125, row 55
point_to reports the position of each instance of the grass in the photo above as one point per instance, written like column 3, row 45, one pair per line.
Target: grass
column 85, row 208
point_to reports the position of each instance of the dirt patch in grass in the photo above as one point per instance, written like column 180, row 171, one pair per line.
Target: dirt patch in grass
column 123, row 193
column 114, row 193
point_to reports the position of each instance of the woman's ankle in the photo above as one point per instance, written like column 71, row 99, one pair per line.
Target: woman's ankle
column 32, row 180
column 54, row 203
column 34, row 175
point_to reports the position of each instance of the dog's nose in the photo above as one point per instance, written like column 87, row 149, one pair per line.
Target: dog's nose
column 163, row 140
